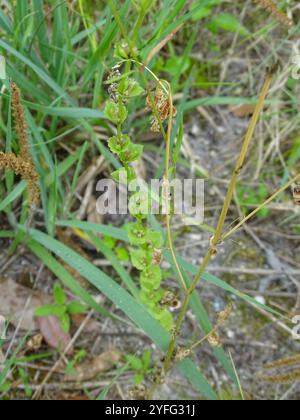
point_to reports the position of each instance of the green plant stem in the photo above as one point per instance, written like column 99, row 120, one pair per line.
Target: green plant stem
column 198, row 343
column 215, row 240
column 119, row 125
column 167, row 136
column 167, row 190
column 139, row 65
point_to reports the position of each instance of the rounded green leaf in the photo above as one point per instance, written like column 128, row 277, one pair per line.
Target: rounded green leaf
column 151, row 277
column 135, row 362
column 155, row 239
column 122, row 254
column 132, row 153
column 124, row 175
column 134, row 89
column 139, row 204
column 118, row 145
column 115, row 112
column 137, row 233
column 122, row 50
column 139, row 258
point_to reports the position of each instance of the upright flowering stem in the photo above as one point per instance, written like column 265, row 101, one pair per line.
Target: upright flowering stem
column 167, row 190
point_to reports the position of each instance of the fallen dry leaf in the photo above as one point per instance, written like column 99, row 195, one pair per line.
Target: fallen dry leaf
column 161, row 44
column 91, row 326
column 19, row 303
column 242, row 111
column 88, row 370
column 53, row 334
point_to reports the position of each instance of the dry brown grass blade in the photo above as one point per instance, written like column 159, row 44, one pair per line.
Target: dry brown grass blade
column 161, row 44
column 287, row 361
column 271, row 7
column 282, row 378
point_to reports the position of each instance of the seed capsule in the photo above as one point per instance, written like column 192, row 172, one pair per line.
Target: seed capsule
column 296, row 193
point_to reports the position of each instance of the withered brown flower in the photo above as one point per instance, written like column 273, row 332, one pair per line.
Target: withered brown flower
column 163, row 108
column 296, row 193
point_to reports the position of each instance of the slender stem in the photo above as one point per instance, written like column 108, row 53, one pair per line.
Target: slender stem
column 167, row 136
column 119, row 125
column 204, row 338
column 257, row 210
column 167, row 191
column 227, row 202
column 139, row 65
column 242, row 158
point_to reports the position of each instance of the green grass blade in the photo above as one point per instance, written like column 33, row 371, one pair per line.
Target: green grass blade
column 40, row 73
column 112, row 232
column 13, row 195
column 123, row 300
column 66, row 278
column 62, row 112
column 121, row 234
column 5, row 23
column 41, row 29
column 111, row 256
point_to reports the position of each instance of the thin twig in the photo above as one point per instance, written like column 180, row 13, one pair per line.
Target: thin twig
column 56, row 365
column 259, row 208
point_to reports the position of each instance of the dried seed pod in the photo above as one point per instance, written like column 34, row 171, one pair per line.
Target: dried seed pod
column 175, row 304
column 35, row 342
column 182, row 353
column 214, row 339
column 224, row 315
column 138, row 392
column 159, row 376
column 163, row 108
column 296, row 193
column 157, row 257
column 112, row 79
column 171, row 300
column 213, row 247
